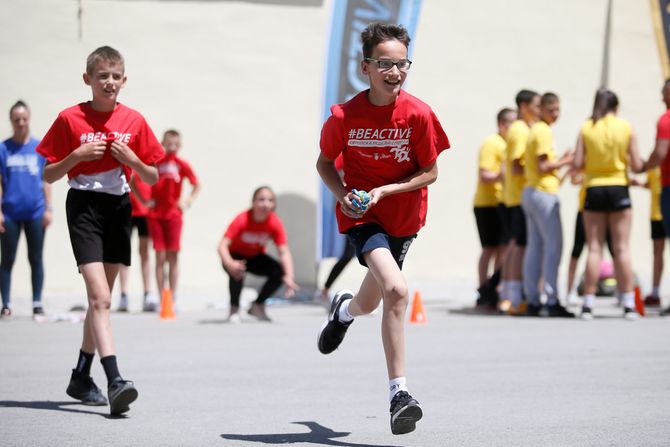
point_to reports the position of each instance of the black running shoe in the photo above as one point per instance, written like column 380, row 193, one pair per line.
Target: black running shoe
column 83, row 388
column 665, row 312
column 533, row 310
column 333, row 330
column 558, row 311
column 405, row 411
column 38, row 310
column 121, row 393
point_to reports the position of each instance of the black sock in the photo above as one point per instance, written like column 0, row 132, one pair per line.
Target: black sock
column 111, row 368
column 84, row 363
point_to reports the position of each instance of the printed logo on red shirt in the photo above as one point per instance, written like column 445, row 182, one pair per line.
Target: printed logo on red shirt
column 170, row 170
column 386, row 143
column 255, row 238
column 104, row 136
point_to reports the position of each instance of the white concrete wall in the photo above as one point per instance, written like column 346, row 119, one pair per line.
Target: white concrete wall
column 242, row 82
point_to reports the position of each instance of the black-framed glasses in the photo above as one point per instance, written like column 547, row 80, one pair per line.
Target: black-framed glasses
column 387, row 64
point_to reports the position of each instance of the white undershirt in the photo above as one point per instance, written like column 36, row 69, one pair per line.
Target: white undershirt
column 111, row 182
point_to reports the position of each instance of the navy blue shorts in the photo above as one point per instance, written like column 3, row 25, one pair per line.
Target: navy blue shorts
column 367, row 237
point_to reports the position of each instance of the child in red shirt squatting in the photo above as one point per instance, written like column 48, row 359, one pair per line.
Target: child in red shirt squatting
column 242, row 249
column 97, row 144
column 165, row 218
column 389, row 141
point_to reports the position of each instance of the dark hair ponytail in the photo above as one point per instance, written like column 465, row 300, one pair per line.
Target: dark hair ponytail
column 606, row 101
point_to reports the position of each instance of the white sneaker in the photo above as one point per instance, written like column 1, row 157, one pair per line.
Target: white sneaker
column 630, row 314
column 234, row 318
column 586, row 315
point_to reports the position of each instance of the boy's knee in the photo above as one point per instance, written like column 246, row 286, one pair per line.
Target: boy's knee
column 396, row 294
column 100, row 302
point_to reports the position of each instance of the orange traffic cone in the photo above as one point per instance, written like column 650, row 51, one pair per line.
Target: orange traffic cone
column 418, row 315
column 167, row 309
column 639, row 302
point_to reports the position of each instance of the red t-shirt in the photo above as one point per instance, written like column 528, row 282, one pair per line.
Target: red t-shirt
column 249, row 238
column 82, row 124
column 663, row 133
column 144, row 190
column 382, row 145
column 166, row 192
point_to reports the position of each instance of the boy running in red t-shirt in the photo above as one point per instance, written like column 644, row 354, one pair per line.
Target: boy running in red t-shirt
column 389, row 141
column 165, row 218
column 97, row 144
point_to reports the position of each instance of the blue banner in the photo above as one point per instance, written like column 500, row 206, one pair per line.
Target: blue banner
column 343, row 79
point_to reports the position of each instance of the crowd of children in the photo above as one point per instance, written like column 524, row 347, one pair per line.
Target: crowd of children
column 518, row 216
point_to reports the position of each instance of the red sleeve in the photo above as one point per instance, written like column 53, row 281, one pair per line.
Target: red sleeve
column 332, row 134
column 56, row 144
column 234, row 228
column 147, row 146
column 187, row 172
column 431, row 141
column 278, row 232
column 663, row 127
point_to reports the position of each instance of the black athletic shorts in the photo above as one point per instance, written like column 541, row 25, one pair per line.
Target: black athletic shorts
column 516, row 220
column 140, row 222
column 607, row 198
column 489, row 225
column 99, row 225
column 504, row 225
column 657, row 230
column 367, row 237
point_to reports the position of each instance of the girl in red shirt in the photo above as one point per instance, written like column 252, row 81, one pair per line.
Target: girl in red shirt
column 243, row 249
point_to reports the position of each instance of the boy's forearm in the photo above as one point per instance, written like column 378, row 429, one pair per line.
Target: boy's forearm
column 148, row 174
column 195, row 190
column 418, row 180
column 55, row 171
column 46, row 188
column 286, row 261
column 329, row 175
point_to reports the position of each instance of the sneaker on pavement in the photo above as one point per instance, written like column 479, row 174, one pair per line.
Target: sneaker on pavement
column 652, row 301
column 258, row 311
column 123, row 304
column 533, row 310
column 121, row 394
column 630, row 314
column 405, row 412
column 38, row 310
column 558, row 311
column 518, row 310
column 665, row 312
column 83, row 388
column 333, row 330
column 5, row 312
column 587, row 314
column 234, row 318
column 504, row 306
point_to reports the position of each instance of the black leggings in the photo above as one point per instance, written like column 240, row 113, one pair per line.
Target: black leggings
column 261, row 265
column 347, row 255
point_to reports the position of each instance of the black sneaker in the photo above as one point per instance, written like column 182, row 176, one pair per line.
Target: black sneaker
column 37, row 310
column 5, row 312
column 533, row 310
column 665, row 312
column 405, row 411
column 333, row 330
column 558, row 311
column 121, row 393
column 630, row 314
column 84, row 389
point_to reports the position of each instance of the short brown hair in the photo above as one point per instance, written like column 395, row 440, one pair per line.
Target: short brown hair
column 377, row 33
column 548, row 99
column 103, row 53
column 171, row 133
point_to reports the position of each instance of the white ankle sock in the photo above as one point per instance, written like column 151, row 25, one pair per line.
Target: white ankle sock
column 628, row 300
column 589, row 300
column 343, row 313
column 395, row 385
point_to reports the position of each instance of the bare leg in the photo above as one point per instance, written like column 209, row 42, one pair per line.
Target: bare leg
column 160, row 270
column 368, row 297
column 145, row 263
column 395, row 295
column 572, row 269
column 659, row 247
column 99, row 279
column 619, row 225
column 172, row 258
column 595, row 227
column 123, row 279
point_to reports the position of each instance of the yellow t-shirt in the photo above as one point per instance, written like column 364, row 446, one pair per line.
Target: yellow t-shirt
column 540, row 142
column 491, row 157
column 582, row 197
column 606, row 151
column 517, row 137
column 654, row 181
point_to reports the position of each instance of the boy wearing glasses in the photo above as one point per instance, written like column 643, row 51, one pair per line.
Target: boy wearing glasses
column 389, row 141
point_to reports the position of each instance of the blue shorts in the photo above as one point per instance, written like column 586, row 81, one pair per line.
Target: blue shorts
column 367, row 237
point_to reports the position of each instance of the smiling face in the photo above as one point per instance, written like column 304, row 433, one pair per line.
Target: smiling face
column 106, row 80
column 385, row 84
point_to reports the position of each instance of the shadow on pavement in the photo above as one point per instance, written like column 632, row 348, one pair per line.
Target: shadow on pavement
column 50, row 405
column 318, row 435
